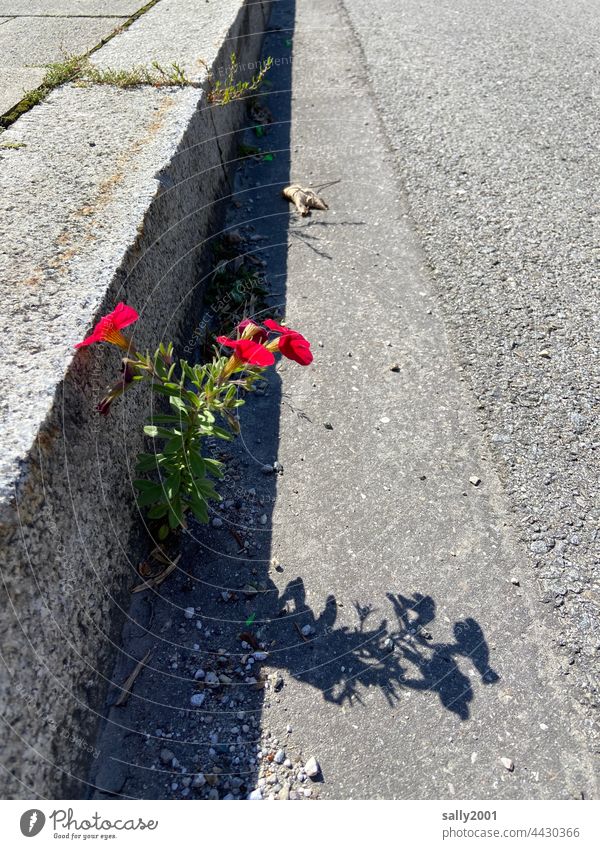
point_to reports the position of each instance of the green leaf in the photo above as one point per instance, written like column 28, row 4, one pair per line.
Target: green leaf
column 165, row 418
column 205, row 489
column 148, row 462
column 172, row 485
column 163, row 532
column 175, row 513
column 197, row 465
column 214, row 467
column 160, row 432
column 150, row 496
column 178, row 403
column 221, row 432
column 199, row 510
column 174, row 445
column 145, row 486
column 158, row 511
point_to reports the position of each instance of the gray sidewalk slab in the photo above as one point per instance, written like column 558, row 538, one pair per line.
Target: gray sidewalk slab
column 15, row 82
column 37, row 41
column 71, row 8
column 161, row 37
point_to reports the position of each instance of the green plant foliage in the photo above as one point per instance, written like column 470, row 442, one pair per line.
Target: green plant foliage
column 182, row 478
column 222, row 93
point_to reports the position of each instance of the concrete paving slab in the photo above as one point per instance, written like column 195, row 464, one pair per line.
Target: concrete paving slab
column 159, row 35
column 26, row 42
column 71, row 8
column 14, row 82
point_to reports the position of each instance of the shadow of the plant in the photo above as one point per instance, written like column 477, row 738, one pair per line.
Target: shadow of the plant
column 390, row 656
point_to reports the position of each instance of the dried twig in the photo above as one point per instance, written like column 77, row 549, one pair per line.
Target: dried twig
column 303, row 199
column 130, row 681
column 158, row 579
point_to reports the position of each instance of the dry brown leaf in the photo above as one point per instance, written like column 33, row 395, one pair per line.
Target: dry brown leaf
column 158, row 579
column 303, row 199
column 130, row 681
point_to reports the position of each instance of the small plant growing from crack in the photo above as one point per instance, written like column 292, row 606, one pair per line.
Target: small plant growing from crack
column 222, row 93
column 182, row 477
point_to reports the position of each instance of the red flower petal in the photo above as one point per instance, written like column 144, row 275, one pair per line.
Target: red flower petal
column 295, row 347
column 272, row 325
column 229, row 343
column 248, row 351
column 122, row 316
column 107, row 329
column 253, row 353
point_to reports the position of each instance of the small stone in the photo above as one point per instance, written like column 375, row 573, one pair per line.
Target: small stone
column 516, row 581
column 507, row 763
column 312, row 768
column 287, row 763
column 197, row 700
column 306, row 630
column 189, row 612
column 260, row 655
column 167, row 756
column 284, row 793
column 217, row 522
column 263, row 519
column 289, row 729
column 199, row 781
column 198, row 624
column 327, row 425
column 199, row 673
column 267, row 469
column 474, row 480
column 279, row 756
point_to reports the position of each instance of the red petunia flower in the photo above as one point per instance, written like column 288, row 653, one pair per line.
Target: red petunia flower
column 292, row 344
column 248, row 351
column 109, row 327
column 249, row 329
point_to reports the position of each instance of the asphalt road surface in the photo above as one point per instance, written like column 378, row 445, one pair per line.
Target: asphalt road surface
column 491, row 110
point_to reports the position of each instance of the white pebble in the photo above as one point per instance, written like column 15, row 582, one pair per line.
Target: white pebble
column 197, row 699
column 189, row 612
column 312, row 768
